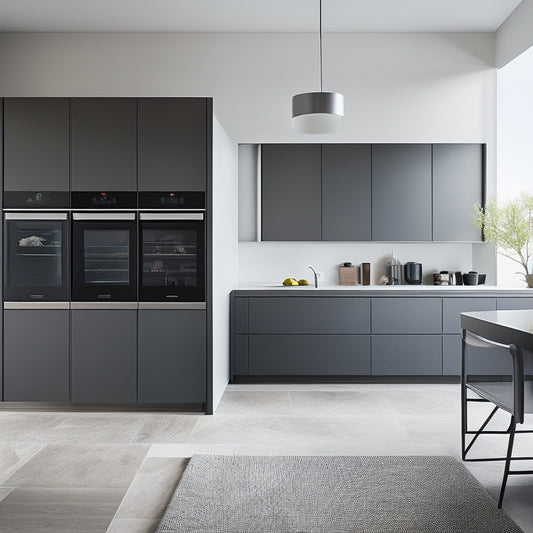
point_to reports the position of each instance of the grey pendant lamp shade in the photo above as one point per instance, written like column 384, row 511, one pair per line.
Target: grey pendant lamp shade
column 317, row 112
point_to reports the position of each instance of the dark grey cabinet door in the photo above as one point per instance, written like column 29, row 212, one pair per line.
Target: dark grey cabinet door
column 172, row 144
column 104, row 355
column 453, row 307
column 309, row 355
column 172, row 356
column 36, row 144
column 104, row 144
column 346, row 192
column 407, row 355
column 401, row 192
column 309, row 315
column 457, row 186
column 515, row 303
column 240, row 315
column 406, row 315
column 291, row 192
column 36, row 355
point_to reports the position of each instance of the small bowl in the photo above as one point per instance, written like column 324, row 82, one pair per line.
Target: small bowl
column 481, row 279
column 471, row 278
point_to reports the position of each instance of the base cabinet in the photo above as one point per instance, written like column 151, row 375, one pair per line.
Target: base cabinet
column 36, row 355
column 172, row 356
column 104, row 355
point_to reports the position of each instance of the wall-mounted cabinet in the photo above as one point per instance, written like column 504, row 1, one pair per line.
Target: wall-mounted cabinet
column 379, row 192
column 104, row 144
column 36, row 144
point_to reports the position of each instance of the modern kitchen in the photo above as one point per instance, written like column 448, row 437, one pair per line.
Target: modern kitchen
column 189, row 272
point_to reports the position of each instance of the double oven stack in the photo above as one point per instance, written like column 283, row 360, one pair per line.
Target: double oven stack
column 106, row 250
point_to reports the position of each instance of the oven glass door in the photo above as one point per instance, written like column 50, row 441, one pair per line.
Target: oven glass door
column 36, row 257
column 104, row 257
column 172, row 257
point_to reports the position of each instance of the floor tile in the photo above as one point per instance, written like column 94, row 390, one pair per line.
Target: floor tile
column 26, row 427
column 165, row 428
column 152, row 488
column 188, row 450
column 4, row 491
column 78, row 466
column 255, row 403
column 132, row 526
column 58, row 510
column 14, row 455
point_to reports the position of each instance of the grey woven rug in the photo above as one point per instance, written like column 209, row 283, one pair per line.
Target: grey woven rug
column 323, row 494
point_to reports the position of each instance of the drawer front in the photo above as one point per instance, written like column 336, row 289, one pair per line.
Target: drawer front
column 514, row 303
column 407, row 355
column 309, row 315
column 240, row 315
column 480, row 361
column 406, row 315
column 453, row 307
column 240, row 355
column 311, row 355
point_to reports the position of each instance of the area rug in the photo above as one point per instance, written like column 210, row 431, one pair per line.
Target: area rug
column 371, row 494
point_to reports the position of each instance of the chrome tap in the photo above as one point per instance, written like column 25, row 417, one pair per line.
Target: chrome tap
column 314, row 274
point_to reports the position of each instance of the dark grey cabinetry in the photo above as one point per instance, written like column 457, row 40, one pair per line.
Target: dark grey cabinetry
column 401, row 192
column 104, row 355
column 172, row 150
column 406, row 315
column 36, row 355
column 104, row 144
column 291, row 192
column 453, row 307
column 346, row 192
column 456, row 188
column 172, row 356
column 514, row 303
column 36, row 144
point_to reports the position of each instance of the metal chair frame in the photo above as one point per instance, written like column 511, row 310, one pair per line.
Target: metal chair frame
column 515, row 407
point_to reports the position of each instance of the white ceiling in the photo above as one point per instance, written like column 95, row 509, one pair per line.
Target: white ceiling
column 253, row 15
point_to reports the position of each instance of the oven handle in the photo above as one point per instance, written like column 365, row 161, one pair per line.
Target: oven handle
column 172, row 305
column 103, row 216
column 103, row 305
column 172, row 216
column 37, row 305
column 36, row 216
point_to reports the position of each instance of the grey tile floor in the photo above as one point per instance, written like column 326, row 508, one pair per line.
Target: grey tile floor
column 115, row 472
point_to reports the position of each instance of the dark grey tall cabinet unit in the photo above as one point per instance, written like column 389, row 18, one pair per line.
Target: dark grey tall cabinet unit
column 104, row 144
column 172, row 364
column 346, row 192
column 36, row 355
column 172, row 144
column 36, row 144
column 401, row 192
column 456, row 188
column 291, row 192
column 104, row 355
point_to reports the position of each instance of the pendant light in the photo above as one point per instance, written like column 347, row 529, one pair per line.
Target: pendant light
column 317, row 112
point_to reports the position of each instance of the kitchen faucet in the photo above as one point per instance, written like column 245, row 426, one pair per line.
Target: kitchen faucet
column 316, row 276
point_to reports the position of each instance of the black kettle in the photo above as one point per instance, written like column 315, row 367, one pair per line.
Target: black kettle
column 412, row 273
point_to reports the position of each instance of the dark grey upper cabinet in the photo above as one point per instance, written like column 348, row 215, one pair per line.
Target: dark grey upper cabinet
column 346, row 192
column 401, row 192
column 104, row 355
column 457, row 186
column 291, row 192
column 172, row 144
column 36, row 365
column 36, row 144
column 104, row 144
column 172, row 356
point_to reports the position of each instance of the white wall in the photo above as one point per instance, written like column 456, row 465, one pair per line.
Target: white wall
column 515, row 36
column 225, row 251
column 515, row 141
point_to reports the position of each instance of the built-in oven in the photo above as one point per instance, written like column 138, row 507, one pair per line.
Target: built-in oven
column 36, row 252
column 172, row 247
column 104, row 256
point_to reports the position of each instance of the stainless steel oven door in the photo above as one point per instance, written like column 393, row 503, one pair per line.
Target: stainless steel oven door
column 172, row 257
column 104, row 257
column 36, row 255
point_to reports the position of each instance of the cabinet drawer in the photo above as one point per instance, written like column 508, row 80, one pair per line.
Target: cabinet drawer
column 453, row 307
column 309, row 355
column 309, row 315
column 514, row 303
column 406, row 315
column 240, row 315
column 409, row 355
column 240, row 355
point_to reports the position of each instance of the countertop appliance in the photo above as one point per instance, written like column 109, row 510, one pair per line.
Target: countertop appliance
column 413, row 273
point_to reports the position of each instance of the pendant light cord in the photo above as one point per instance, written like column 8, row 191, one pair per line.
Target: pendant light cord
column 320, row 41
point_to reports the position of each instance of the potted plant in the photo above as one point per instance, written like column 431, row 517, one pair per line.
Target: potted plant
column 510, row 227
